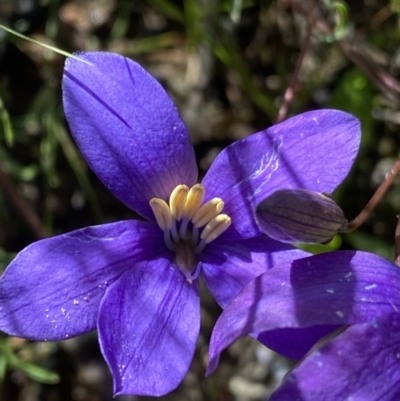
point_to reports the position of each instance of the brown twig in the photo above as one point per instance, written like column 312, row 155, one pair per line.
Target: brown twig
column 289, row 93
column 23, row 208
column 376, row 197
column 382, row 15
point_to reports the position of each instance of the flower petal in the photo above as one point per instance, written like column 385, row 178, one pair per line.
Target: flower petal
column 148, row 325
column 314, row 150
column 299, row 215
column 228, row 266
column 363, row 363
column 335, row 288
column 294, row 343
column 52, row 289
column 127, row 128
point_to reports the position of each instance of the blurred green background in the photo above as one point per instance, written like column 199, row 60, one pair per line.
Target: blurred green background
column 227, row 64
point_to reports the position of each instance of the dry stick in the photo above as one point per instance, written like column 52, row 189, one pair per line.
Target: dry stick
column 18, row 202
column 376, row 198
column 289, row 93
column 382, row 15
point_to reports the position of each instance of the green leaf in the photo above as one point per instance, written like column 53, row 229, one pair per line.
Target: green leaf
column 353, row 93
column 7, row 128
column 395, row 6
column 3, row 367
column 169, row 9
column 38, row 373
column 31, row 370
column 342, row 26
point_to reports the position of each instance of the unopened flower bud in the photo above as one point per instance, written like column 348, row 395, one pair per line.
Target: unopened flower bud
column 300, row 215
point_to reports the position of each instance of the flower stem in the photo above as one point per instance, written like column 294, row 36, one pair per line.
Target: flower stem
column 376, row 198
column 289, row 93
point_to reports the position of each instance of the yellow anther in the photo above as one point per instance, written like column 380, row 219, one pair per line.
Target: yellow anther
column 188, row 225
column 177, row 201
column 193, row 201
column 162, row 213
column 215, row 228
column 207, row 212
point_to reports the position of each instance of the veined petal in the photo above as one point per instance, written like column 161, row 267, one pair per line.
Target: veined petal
column 228, row 266
column 148, row 325
column 52, row 289
column 314, row 150
column 299, row 215
column 335, row 288
column 363, row 363
column 127, row 128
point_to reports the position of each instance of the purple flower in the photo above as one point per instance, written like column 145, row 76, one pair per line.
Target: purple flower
column 135, row 281
column 339, row 289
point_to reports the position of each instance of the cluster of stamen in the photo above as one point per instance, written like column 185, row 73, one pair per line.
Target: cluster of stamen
column 186, row 219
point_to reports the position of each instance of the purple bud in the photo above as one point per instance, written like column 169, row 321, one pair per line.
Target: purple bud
column 299, row 215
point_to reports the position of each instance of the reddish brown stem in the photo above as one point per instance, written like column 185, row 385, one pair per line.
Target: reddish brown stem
column 21, row 206
column 289, row 93
column 376, row 197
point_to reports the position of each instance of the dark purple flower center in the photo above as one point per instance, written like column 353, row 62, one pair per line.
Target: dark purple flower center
column 188, row 224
